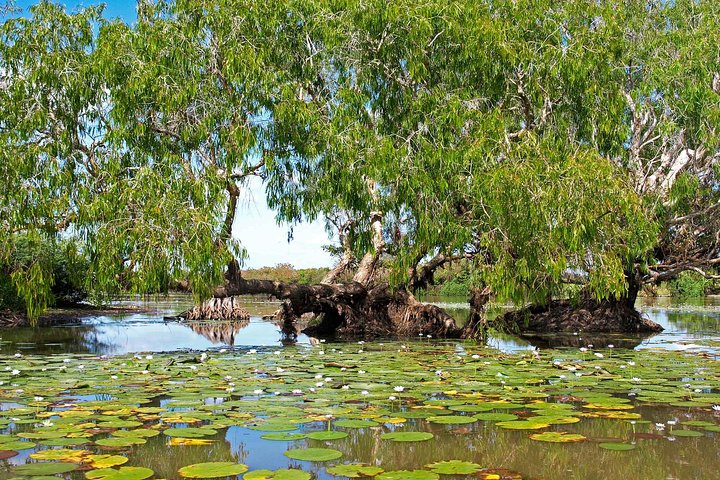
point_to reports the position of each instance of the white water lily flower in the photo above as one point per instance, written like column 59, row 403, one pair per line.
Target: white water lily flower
column 311, row 389
column 145, row 372
column 361, row 372
column 321, row 352
column 81, row 367
column 611, row 346
column 39, row 399
column 475, row 357
column 399, row 388
column 328, row 379
column 251, row 351
column 716, row 408
column 227, row 377
column 193, row 367
column 318, row 376
column 47, row 423
column 66, row 360
column 583, row 349
column 276, row 352
column 438, row 372
column 660, row 426
column 257, row 392
column 672, row 422
column 114, row 377
column 15, row 372
column 360, row 351
column 279, row 369
column 319, row 384
column 223, row 350
column 148, row 357
column 346, row 387
column 364, row 392
column 599, row 355
column 392, row 398
column 632, row 364
column 18, row 355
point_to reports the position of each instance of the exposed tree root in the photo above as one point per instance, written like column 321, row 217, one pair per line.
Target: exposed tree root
column 228, row 308
column 587, row 316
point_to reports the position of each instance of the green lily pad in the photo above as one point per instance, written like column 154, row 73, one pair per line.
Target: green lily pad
column 452, row 419
column 282, row 474
column 355, row 470
column 212, row 470
column 686, row 433
column 120, row 441
column 407, row 436
column 522, row 425
column 283, row 436
column 355, row 423
column 314, row 454
column 557, row 437
column 18, row 445
column 327, row 435
column 454, row 467
column 32, row 469
column 122, row 473
column 617, row 447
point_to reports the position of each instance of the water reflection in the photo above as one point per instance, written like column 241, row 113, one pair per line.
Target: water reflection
column 223, row 333
column 693, row 324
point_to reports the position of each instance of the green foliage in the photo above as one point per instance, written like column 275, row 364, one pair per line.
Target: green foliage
column 36, row 273
column 689, row 285
column 498, row 130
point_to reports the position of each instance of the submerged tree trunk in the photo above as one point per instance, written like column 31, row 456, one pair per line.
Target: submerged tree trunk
column 585, row 315
column 349, row 310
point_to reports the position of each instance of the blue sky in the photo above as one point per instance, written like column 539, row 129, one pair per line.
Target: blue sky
column 255, row 225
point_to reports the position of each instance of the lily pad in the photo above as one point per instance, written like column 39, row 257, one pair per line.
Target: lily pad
column 557, row 437
column 212, row 470
column 454, row 467
column 327, row 435
column 407, row 436
column 32, row 469
column 452, row 419
column 314, row 454
column 617, row 447
column 282, row 474
column 355, row 470
column 283, row 436
column 122, row 473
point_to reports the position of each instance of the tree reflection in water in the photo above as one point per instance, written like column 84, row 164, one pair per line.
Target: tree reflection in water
column 219, row 332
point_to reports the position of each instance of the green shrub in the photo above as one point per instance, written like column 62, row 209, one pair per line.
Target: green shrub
column 689, row 285
column 59, row 266
column 457, row 287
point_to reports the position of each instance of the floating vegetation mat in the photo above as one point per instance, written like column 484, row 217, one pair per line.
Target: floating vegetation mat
column 384, row 410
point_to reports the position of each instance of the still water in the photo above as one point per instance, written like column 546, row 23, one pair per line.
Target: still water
column 680, row 397
column 686, row 323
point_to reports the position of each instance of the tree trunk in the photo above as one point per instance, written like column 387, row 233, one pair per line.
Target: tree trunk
column 348, row 310
column 476, row 326
column 226, row 308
